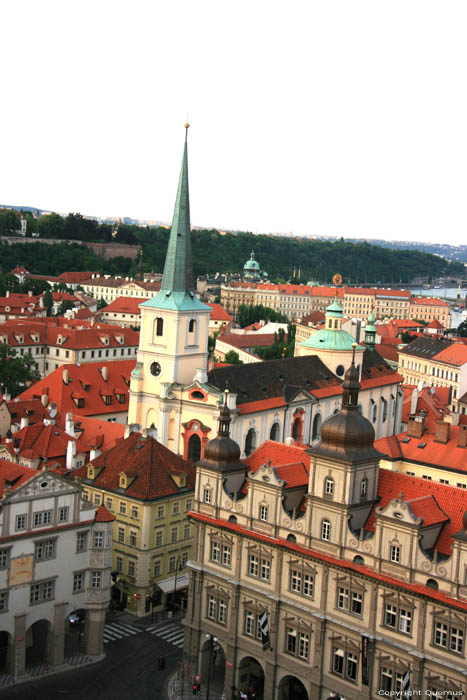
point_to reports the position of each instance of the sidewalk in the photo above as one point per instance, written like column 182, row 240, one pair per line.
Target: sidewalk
column 40, row 669
column 176, row 692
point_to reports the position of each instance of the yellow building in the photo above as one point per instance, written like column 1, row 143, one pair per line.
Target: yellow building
column 149, row 490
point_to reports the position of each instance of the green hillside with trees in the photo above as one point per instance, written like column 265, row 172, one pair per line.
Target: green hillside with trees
column 300, row 259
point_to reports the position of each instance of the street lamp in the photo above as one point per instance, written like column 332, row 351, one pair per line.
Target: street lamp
column 212, row 640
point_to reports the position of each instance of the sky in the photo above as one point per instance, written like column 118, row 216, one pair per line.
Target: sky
column 336, row 117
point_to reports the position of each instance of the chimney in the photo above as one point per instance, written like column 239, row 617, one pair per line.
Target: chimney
column 30, row 293
column 95, row 452
column 144, row 433
column 462, row 440
column 44, row 400
column 24, row 422
column 414, row 401
column 70, row 454
column 416, row 426
column 127, row 432
column 105, row 373
column 7, row 396
column 65, row 376
column 69, row 424
column 7, row 293
column 442, row 432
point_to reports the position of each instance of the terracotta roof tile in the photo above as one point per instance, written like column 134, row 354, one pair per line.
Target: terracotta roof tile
column 103, row 515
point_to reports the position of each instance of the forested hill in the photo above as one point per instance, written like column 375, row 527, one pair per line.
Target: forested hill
column 281, row 258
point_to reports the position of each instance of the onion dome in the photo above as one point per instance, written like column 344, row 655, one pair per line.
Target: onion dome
column 251, row 264
column 347, row 435
column 222, row 453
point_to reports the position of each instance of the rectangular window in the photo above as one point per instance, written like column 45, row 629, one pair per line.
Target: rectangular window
column 249, row 627
column 291, row 641
column 44, row 550
column 157, row 567
column 133, row 538
column 122, row 507
column 96, row 579
column 134, row 512
column 131, row 567
column 186, row 531
column 172, row 563
column 4, row 601
column 215, row 551
column 4, row 558
column 188, row 505
column 263, row 513
column 81, row 541
column 226, row 555
column 176, row 508
column 96, row 499
column 395, row 553
column 343, row 598
column 42, row 518
column 121, row 535
column 356, row 600
column 109, row 503
column 303, row 645
column 40, row 592
column 184, row 558
column 98, row 539
column 212, row 607
column 174, row 534
column 405, row 621
column 222, row 611
column 119, row 564
column 78, row 582
column 160, row 512
column 308, row 581
column 63, row 514
column 207, row 495
column 295, row 581
column 253, row 565
column 159, row 538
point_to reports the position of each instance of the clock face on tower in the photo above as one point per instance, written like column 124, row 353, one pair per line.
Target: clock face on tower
column 156, row 369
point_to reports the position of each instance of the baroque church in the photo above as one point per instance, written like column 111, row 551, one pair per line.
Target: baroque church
column 173, row 394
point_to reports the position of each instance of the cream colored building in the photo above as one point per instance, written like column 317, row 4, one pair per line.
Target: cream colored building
column 320, row 575
column 110, row 288
column 436, row 363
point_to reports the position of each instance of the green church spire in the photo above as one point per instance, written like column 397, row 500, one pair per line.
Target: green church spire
column 178, row 274
column 177, row 281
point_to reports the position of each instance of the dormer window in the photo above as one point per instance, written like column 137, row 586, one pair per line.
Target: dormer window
column 78, row 401
column 107, row 399
column 123, row 482
column 91, row 473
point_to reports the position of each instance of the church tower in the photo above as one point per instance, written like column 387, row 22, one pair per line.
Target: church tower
column 173, row 345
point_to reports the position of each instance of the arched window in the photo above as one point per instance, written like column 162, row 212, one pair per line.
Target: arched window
column 159, row 326
column 250, row 441
column 194, row 448
column 328, row 486
column 316, row 427
column 374, row 413
column 275, row 432
column 326, row 530
column 233, row 519
column 192, row 326
column 385, row 409
column 363, row 488
column 358, row 559
column 431, row 583
column 291, row 538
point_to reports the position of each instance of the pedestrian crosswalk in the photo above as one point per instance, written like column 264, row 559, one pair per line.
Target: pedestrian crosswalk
column 171, row 632
column 118, row 630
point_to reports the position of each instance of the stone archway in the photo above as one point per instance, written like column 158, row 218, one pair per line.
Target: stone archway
column 38, row 639
column 251, row 678
column 75, row 637
column 292, row 688
column 5, row 651
column 212, row 665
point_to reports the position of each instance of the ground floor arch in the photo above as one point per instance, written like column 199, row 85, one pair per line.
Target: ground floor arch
column 212, row 664
column 75, row 632
column 292, row 688
column 38, row 641
column 5, row 651
column 250, row 678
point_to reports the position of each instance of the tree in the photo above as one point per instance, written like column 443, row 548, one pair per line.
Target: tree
column 65, row 306
column 9, row 222
column 462, row 329
column 232, row 358
column 48, row 301
column 407, row 337
column 101, row 304
column 51, row 226
column 16, row 372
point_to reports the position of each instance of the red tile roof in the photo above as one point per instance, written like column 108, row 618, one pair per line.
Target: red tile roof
column 128, row 305
column 86, row 382
column 31, row 409
column 69, row 334
column 428, row 301
column 450, row 501
column 103, row 515
column 263, row 405
column 292, row 462
column 427, row 508
column 436, row 454
column 249, row 340
column 433, row 400
column 455, row 354
column 219, row 313
column 14, row 475
column 436, row 324
column 145, row 459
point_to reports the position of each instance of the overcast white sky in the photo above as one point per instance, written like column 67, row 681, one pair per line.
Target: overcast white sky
column 335, row 117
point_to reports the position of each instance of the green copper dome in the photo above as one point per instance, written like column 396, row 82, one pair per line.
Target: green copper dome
column 251, row 264
column 370, row 326
column 328, row 339
column 335, row 310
